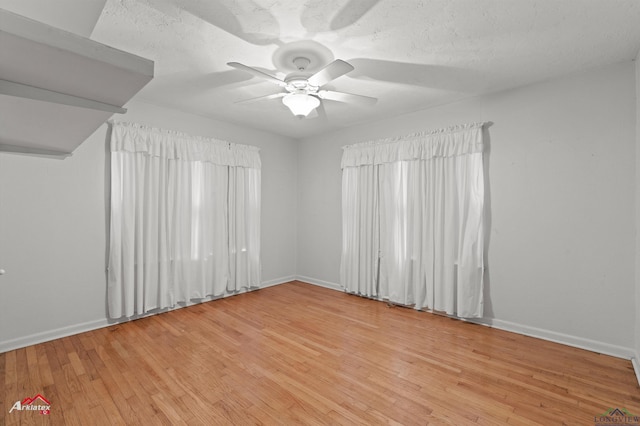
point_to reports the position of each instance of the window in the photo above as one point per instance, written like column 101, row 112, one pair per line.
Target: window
column 181, row 207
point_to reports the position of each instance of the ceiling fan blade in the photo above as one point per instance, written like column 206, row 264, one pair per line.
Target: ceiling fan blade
column 257, row 73
column 332, row 71
column 261, row 98
column 346, row 97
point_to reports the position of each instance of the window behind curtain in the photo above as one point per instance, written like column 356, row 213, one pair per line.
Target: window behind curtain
column 181, row 206
column 412, row 211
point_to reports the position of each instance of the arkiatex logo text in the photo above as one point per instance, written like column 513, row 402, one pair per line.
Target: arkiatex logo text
column 37, row 403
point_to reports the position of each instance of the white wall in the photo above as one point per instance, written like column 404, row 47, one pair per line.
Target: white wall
column 562, row 186
column 637, row 233
column 561, row 165
column 53, row 224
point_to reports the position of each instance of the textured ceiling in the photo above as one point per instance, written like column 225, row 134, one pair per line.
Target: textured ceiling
column 409, row 54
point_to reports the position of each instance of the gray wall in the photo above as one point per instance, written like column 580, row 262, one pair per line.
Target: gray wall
column 637, row 234
column 53, row 224
column 561, row 202
column 561, row 206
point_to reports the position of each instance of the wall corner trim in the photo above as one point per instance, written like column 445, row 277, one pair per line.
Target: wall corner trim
column 320, row 283
column 635, row 361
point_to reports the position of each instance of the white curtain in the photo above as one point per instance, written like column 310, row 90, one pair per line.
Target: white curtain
column 185, row 219
column 413, row 220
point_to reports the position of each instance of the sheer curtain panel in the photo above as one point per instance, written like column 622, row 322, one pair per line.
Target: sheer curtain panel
column 185, row 219
column 413, row 220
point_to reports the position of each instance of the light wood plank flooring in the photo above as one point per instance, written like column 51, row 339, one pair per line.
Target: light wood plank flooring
column 301, row 354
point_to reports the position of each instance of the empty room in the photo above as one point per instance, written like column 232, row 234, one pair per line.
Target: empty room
column 328, row 212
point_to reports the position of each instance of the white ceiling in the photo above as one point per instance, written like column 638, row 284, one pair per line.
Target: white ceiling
column 410, row 54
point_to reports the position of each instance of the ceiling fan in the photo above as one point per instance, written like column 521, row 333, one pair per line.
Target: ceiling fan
column 303, row 90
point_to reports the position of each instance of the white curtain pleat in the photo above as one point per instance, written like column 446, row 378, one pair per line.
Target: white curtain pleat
column 394, row 249
column 244, row 232
column 174, row 229
column 360, row 240
column 428, row 230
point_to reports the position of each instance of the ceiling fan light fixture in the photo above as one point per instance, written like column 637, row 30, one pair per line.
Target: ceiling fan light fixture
column 300, row 104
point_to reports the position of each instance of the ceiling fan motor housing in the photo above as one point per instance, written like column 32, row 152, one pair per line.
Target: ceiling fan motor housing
column 297, row 81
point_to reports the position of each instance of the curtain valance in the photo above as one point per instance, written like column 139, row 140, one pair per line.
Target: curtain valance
column 449, row 142
column 132, row 137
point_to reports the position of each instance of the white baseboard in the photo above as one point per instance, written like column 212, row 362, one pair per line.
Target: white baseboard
column 58, row 333
column 539, row 333
column 45, row 336
column 321, row 283
column 277, row 281
column 565, row 339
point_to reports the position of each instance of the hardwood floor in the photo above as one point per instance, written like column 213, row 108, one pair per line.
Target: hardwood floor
column 301, row 354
